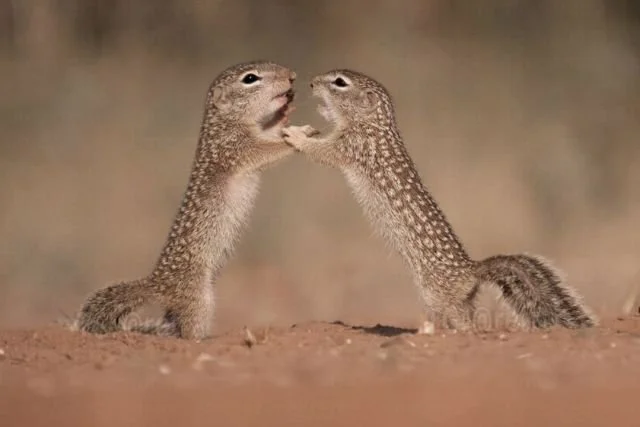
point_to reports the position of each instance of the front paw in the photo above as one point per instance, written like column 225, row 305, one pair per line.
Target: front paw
column 297, row 136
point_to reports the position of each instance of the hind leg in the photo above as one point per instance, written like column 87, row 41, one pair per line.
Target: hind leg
column 446, row 310
column 193, row 316
column 459, row 315
column 439, row 313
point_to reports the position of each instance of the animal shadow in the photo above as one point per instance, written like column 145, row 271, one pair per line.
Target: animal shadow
column 378, row 329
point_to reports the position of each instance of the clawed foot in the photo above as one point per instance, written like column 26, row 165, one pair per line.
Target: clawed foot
column 297, row 135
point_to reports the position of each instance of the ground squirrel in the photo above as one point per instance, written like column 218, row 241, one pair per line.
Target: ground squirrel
column 367, row 147
column 241, row 133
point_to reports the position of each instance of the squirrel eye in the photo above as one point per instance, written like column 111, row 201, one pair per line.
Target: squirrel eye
column 250, row 78
column 340, row 82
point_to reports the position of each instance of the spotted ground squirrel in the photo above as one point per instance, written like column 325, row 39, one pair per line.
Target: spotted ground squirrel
column 241, row 133
column 367, row 147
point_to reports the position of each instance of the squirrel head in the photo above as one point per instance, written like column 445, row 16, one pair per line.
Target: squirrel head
column 254, row 94
column 351, row 98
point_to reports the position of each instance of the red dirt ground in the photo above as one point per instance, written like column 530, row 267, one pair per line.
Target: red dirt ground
column 321, row 374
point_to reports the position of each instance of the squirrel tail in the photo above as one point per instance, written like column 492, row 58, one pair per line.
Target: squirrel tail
column 535, row 291
column 103, row 311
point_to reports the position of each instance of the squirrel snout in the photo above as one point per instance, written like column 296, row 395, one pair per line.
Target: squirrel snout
column 315, row 82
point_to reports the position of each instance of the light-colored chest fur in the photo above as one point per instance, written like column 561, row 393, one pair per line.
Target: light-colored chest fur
column 387, row 222
column 232, row 211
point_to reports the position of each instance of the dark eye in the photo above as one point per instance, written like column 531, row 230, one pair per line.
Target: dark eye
column 250, row 78
column 340, row 82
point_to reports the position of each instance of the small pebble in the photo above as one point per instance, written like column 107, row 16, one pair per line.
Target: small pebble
column 249, row 338
column 164, row 369
column 427, row 328
column 397, row 341
column 201, row 360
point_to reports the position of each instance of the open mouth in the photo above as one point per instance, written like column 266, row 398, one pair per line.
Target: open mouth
column 281, row 116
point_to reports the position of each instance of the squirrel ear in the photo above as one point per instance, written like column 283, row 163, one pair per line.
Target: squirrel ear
column 370, row 100
column 219, row 97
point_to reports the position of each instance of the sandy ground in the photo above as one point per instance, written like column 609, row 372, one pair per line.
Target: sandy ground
column 323, row 374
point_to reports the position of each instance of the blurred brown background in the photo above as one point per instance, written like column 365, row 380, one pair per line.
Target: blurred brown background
column 522, row 116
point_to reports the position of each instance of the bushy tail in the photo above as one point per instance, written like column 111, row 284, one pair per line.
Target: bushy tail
column 105, row 308
column 536, row 291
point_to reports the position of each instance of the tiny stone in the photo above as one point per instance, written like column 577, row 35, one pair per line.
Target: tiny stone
column 382, row 355
column 164, row 369
column 201, row 359
column 502, row 337
column 397, row 341
column 249, row 338
column 427, row 328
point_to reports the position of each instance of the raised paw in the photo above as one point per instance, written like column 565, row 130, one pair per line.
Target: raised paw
column 297, row 135
column 309, row 131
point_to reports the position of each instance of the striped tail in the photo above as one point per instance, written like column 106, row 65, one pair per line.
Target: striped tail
column 536, row 292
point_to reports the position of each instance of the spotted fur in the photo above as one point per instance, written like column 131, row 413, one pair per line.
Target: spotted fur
column 239, row 136
column 367, row 147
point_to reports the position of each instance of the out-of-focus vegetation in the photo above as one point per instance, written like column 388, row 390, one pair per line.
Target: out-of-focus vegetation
column 521, row 114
